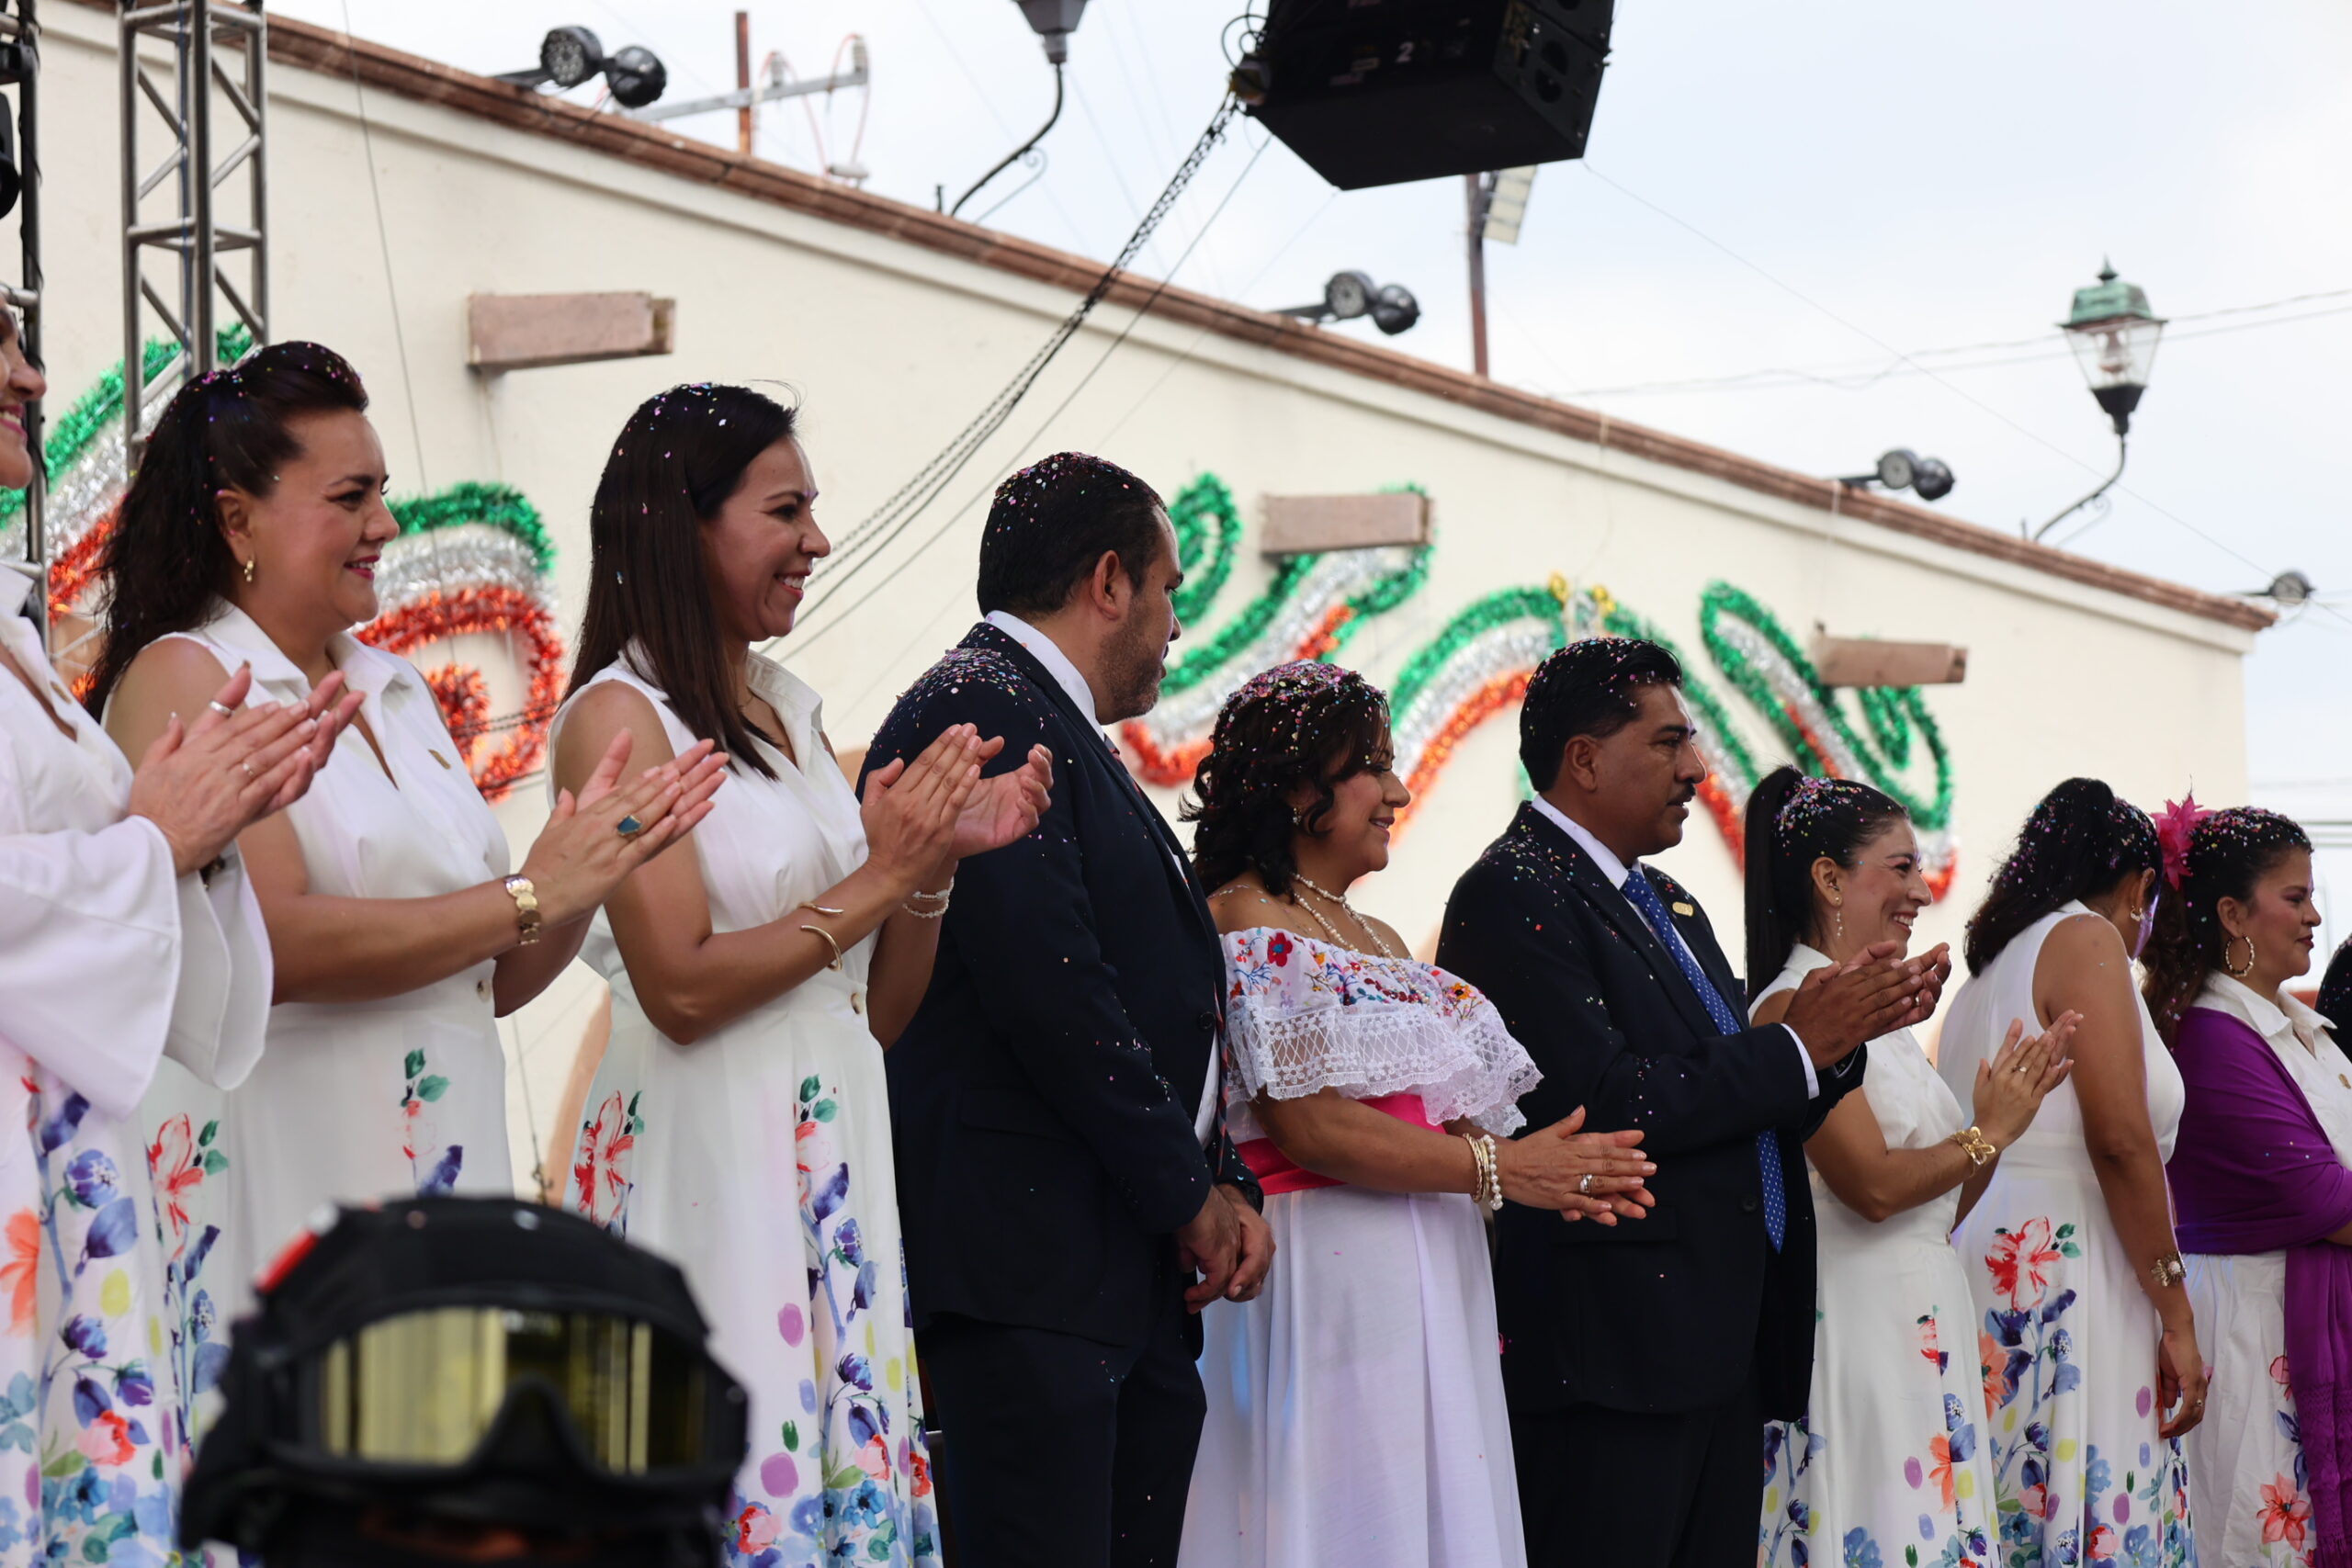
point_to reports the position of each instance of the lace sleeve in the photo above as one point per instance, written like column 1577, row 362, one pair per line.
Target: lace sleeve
column 1304, row 1017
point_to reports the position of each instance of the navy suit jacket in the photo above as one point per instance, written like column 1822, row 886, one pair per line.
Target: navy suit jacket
column 1043, row 1098
column 1670, row 1313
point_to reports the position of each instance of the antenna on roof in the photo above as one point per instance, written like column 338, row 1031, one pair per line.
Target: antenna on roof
column 777, row 80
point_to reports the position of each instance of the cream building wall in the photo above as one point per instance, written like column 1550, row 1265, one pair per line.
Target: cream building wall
column 891, row 345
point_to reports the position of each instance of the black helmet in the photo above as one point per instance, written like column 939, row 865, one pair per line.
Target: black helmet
column 467, row 1364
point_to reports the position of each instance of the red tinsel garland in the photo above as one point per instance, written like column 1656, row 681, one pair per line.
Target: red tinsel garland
column 490, row 611
column 1480, row 705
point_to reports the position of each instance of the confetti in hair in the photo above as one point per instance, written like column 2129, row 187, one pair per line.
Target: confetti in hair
column 1300, row 723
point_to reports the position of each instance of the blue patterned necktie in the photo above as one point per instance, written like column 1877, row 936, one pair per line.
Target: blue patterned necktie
column 1644, row 900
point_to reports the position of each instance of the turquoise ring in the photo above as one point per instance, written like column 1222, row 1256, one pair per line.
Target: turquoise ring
column 628, row 826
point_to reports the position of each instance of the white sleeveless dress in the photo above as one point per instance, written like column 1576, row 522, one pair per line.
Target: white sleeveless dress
column 1889, row 1458
column 1355, row 1408
column 2067, row 1338
column 357, row 1101
column 759, row 1159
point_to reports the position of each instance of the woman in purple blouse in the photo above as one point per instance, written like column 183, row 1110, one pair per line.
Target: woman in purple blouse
column 2262, row 1179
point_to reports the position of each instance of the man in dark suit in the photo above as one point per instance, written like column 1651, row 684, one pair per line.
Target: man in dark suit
column 1641, row 1360
column 1062, row 1169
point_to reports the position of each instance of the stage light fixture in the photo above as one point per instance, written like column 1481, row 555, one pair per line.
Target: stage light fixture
column 1929, row 478
column 1350, row 295
column 570, row 56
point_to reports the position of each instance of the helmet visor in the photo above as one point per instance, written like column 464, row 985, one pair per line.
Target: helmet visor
column 425, row 1388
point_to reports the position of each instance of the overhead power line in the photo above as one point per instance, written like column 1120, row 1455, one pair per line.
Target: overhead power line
column 1852, row 375
column 886, row 521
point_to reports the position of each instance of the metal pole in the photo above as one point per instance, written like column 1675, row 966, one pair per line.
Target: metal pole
column 1476, row 188
column 2122, row 450
column 24, row 32
column 743, row 81
column 196, row 185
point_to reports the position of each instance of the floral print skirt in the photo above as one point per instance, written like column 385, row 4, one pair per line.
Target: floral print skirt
column 111, row 1344
column 759, row 1160
column 2066, row 1343
column 2245, row 1459
column 1888, row 1468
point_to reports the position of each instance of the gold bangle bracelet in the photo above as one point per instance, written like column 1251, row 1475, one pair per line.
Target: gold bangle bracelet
column 2168, row 1270
column 1976, row 1147
column 526, row 909
column 829, row 942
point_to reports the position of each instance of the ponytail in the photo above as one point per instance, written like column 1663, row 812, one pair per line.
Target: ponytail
column 2080, row 841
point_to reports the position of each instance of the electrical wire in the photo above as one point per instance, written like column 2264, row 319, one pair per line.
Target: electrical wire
column 922, row 550
column 886, row 521
column 1848, row 375
column 1022, row 152
column 1961, row 393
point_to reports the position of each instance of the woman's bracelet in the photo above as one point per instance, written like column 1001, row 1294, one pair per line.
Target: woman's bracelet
column 1976, row 1147
column 2168, row 1270
column 526, row 909
column 915, row 902
column 830, row 939
column 1487, row 1187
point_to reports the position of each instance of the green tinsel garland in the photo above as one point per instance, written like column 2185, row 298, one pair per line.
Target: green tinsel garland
column 71, row 433
column 1208, row 536
column 1242, row 630
column 1623, row 622
column 1477, row 618
column 1900, row 709
column 500, row 506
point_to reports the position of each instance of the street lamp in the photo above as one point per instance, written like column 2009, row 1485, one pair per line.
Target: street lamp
column 2113, row 334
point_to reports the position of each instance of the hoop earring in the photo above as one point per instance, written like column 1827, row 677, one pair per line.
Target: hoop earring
column 249, row 571
column 2235, row 974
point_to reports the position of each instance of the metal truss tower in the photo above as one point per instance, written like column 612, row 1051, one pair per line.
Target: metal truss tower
column 211, row 52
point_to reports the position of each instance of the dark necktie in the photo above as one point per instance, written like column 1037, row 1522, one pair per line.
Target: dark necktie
column 1644, row 900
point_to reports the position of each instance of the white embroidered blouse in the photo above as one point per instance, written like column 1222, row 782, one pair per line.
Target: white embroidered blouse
column 1302, row 1016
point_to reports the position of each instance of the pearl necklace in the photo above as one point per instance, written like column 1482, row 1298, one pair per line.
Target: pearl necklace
column 1341, row 899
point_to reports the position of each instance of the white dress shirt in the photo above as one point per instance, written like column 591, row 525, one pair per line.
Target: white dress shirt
column 1617, row 871
column 1066, row 674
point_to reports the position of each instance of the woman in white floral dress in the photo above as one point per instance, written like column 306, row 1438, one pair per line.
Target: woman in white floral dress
column 248, row 538
column 1889, row 1463
column 132, row 958
column 2087, row 1343
column 738, row 1122
column 1356, row 1407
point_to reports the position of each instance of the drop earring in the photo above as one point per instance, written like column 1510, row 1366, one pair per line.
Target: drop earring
column 1838, row 927
column 249, row 571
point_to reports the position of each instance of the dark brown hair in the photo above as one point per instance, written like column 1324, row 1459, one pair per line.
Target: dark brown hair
column 2080, row 841
column 1296, row 723
column 2229, row 855
column 167, row 562
column 679, row 457
column 1793, row 820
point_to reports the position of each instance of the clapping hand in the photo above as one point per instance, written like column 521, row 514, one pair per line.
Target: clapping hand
column 203, row 784
column 1007, row 807
column 2011, row 1085
column 582, row 853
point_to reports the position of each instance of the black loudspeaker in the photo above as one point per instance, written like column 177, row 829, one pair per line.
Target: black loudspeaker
column 1378, row 92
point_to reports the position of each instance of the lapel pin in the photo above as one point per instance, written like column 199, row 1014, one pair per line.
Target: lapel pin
column 1685, row 910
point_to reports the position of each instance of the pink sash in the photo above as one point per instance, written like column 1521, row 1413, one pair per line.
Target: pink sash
column 1277, row 1174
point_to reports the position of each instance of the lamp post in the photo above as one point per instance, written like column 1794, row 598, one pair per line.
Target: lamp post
column 2113, row 334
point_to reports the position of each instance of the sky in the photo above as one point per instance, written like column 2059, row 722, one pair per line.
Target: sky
column 1831, row 189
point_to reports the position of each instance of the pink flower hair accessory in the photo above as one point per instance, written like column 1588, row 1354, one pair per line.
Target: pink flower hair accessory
column 2175, row 825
